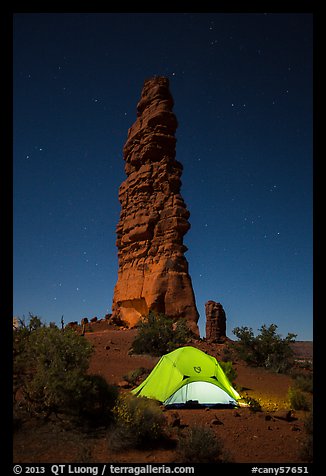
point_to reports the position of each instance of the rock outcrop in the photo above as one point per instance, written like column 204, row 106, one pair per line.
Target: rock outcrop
column 215, row 322
column 153, row 271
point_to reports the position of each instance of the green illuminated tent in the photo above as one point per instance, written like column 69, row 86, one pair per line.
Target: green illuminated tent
column 185, row 377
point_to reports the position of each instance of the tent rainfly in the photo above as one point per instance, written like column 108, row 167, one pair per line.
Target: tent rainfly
column 188, row 377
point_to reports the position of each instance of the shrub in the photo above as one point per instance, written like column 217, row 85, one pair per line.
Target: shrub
column 133, row 376
column 58, row 362
column 95, row 401
column 50, row 367
column 200, row 445
column 307, row 448
column 228, row 353
column 21, row 347
column 303, row 381
column 158, row 335
column 229, row 370
column 297, row 399
column 139, row 422
column 267, row 349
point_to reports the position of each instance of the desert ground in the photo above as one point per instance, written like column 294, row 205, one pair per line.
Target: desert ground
column 276, row 434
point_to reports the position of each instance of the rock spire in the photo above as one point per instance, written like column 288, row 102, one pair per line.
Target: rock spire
column 153, row 271
column 215, row 322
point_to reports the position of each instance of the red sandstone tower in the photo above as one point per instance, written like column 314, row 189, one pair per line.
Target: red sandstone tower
column 153, row 271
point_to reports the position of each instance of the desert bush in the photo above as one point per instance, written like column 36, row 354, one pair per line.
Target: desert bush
column 96, row 398
column 133, row 376
column 200, row 445
column 58, row 362
column 158, row 335
column 228, row 353
column 21, row 348
column 34, row 323
column 303, row 381
column 297, row 399
column 50, row 368
column 229, row 370
column 307, row 448
column 268, row 349
column 139, row 422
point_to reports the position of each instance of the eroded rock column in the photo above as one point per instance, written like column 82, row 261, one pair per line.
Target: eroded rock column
column 215, row 322
column 153, row 271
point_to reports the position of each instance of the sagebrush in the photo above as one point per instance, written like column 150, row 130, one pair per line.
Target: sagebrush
column 200, row 445
column 157, row 335
column 139, row 422
column 51, row 370
column 297, row 399
column 268, row 349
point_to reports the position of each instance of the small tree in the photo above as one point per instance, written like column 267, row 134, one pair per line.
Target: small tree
column 56, row 365
column 268, row 349
column 51, row 369
column 158, row 334
column 21, row 351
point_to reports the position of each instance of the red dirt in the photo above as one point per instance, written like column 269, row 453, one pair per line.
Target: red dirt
column 247, row 436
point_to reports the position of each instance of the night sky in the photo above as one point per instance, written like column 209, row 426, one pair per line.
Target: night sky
column 242, row 87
